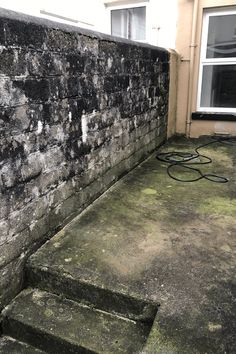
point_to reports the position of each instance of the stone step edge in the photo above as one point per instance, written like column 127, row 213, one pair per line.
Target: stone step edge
column 7, row 341
column 49, row 341
column 81, row 291
column 43, row 340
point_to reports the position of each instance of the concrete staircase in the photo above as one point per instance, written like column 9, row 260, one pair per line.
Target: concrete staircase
column 54, row 324
column 75, row 301
column 64, row 314
column 65, row 311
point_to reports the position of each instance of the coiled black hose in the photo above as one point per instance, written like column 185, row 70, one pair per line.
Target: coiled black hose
column 185, row 159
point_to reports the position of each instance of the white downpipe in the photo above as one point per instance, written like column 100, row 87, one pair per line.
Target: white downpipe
column 191, row 66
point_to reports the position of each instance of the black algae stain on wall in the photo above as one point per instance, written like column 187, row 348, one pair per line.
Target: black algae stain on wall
column 77, row 110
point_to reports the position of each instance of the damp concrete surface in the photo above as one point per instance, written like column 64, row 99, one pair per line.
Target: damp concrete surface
column 167, row 242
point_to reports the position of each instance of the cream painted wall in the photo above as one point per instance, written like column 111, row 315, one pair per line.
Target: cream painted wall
column 174, row 70
column 183, row 39
column 183, row 42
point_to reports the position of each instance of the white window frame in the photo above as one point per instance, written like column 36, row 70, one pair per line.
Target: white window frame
column 131, row 5
column 211, row 61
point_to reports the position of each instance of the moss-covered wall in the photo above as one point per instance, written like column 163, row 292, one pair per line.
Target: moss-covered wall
column 77, row 110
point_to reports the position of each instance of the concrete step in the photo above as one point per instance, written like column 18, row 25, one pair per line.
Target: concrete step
column 96, row 293
column 102, row 258
column 9, row 345
column 58, row 325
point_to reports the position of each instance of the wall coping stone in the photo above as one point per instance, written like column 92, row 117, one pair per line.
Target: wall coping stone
column 18, row 16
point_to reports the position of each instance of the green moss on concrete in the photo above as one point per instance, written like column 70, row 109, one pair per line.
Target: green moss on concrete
column 149, row 191
column 220, row 206
column 158, row 343
column 156, row 240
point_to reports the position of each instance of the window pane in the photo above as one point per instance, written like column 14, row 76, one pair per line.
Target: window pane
column 137, row 23
column 119, row 23
column 129, row 23
column 219, row 86
column 221, row 42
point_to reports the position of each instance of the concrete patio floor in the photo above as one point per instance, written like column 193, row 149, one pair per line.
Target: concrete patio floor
column 165, row 242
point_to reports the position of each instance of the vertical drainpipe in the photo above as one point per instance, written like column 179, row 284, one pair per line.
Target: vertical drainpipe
column 191, row 66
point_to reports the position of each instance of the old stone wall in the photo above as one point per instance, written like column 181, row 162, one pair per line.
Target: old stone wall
column 77, row 110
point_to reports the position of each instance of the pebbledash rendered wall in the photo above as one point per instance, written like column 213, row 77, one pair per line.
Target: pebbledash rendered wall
column 77, row 110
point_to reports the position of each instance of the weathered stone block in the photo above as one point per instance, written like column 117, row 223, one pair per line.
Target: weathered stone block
column 11, row 280
column 107, row 49
column 12, row 62
column 12, row 93
column 22, row 34
column 44, row 64
column 60, row 41
column 14, row 247
column 35, row 90
column 2, row 34
column 88, row 45
column 8, row 176
column 11, row 148
column 4, row 227
column 32, row 167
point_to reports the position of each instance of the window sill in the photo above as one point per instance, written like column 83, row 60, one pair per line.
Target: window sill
column 230, row 117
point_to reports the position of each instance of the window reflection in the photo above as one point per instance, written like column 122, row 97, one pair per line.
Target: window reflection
column 221, row 41
column 219, row 86
column 129, row 23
